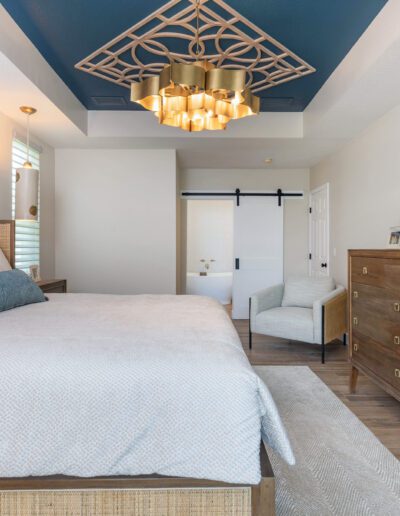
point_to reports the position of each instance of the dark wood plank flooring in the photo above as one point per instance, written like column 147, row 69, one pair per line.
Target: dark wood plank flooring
column 378, row 411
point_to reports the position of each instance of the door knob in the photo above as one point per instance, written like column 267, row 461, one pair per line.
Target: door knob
column 324, row 265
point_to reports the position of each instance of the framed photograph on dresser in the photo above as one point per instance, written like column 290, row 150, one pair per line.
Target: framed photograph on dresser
column 394, row 238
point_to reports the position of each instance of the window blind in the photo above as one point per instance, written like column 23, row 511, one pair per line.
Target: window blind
column 27, row 234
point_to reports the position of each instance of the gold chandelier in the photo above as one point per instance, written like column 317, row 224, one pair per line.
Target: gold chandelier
column 197, row 96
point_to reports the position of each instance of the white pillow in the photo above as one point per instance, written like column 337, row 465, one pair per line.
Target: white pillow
column 303, row 291
column 4, row 265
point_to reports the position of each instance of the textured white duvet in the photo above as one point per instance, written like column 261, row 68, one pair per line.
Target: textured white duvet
column 108, row 385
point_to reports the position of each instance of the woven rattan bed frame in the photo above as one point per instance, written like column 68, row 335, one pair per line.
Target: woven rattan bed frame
column 153, row 495
column 137, row 496
column 7, row 240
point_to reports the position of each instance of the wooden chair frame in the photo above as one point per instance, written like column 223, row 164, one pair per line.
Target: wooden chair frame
column 334, row 321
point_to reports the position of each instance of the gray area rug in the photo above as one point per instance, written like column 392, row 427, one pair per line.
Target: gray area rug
column 341, row 467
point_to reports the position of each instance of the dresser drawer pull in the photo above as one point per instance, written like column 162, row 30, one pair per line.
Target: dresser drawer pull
column 355, row 347
column 396, row 307
column 397, row 373
column 355, row 321
column 365, row 271
column 355, row 294
column 396, row 340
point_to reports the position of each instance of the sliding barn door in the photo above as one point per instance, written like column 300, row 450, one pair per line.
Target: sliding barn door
column 258, row 248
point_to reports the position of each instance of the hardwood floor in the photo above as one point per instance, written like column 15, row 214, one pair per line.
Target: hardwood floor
column 378, row 411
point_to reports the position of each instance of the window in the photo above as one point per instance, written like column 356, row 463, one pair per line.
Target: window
column 27, row 234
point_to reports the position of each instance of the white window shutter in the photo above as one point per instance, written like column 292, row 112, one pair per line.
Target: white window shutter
column 27, row 234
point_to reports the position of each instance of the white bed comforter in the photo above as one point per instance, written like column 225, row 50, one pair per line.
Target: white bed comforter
column 127, row 385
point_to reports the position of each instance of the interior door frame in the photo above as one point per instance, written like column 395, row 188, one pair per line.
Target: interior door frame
column 326, row 187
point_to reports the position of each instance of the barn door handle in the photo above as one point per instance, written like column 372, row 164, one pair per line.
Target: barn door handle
column 237, row 264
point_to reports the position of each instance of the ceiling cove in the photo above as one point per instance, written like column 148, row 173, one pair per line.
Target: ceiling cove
column 318, row 35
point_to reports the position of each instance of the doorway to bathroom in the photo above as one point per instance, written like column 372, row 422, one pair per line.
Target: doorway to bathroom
column 209, row 251
column 234, row 249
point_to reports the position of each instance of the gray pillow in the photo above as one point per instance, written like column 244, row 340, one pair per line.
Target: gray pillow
column 303, row 291
column 17, row 289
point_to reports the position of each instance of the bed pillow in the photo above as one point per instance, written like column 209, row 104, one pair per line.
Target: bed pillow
column 17, row 289
column 4, row 265
column 303, row 291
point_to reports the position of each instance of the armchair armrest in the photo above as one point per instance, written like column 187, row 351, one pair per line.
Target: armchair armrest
column 265, row 299
column 334, row 306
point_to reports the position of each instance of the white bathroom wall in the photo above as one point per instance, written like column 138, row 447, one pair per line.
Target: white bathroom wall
column 210, row 234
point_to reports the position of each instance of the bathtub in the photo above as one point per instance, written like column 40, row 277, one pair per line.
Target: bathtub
column 216, row 284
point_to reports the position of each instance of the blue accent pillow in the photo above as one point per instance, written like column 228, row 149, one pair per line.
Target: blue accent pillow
column 17, row 289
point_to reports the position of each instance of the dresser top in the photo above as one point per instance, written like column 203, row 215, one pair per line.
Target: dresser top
column 375, row 253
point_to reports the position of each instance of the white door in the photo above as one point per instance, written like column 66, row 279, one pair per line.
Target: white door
column 319, row 232
column 258, row 250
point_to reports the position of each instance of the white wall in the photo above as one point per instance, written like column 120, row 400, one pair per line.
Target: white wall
column 7, row 130
column 116, row 220
column 364, row 179
column 296, row 210
column 210, row 235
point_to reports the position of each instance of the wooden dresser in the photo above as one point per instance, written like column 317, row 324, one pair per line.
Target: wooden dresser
column 374, row 317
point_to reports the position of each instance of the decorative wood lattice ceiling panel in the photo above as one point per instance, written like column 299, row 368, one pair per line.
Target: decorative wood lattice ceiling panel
column 226, row 39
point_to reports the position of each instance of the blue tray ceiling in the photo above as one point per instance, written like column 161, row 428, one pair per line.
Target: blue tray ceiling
column 320, row 31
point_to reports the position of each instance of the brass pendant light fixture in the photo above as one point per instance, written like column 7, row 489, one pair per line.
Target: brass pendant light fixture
column 27, row 180
column 197, row 96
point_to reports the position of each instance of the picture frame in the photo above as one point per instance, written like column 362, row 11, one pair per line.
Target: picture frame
column 394, row 238
column 34, row 272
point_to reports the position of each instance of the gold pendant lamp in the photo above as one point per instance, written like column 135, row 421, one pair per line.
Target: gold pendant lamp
column 197, row 96
column 27, row 181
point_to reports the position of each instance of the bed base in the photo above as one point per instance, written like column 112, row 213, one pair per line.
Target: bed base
column 152, row 495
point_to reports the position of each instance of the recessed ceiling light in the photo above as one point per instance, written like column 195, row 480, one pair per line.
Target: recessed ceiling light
column 268, row 161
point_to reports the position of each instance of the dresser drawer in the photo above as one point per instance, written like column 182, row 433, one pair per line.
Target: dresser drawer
column 380, row 272
column 375, row 302
column 377, row 358
column 374, row 314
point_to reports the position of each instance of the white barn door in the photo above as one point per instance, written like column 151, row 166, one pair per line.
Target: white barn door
column 319, row 232
column 258, row 249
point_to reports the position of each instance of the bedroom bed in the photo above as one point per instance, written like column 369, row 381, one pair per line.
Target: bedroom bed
column 131, row 405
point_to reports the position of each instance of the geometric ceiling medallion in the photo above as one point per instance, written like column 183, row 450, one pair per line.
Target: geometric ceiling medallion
column 227, row 40
column 196, row 64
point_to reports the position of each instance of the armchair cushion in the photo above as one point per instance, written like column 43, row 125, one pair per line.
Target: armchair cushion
column 291, row 323
column 265, row 299
column 304, row 291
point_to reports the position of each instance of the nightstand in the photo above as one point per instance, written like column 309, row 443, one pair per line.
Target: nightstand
column 53, row 286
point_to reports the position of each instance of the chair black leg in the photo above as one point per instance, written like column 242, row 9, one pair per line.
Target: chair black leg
column 323, row 336
column 250, row 334
column 344, row 339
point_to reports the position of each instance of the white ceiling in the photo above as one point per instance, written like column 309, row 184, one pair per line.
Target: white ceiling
column 363, row 87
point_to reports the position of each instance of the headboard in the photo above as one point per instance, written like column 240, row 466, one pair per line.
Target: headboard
column 7, row 240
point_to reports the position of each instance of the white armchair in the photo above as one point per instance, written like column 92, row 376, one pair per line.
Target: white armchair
column 305, row 309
